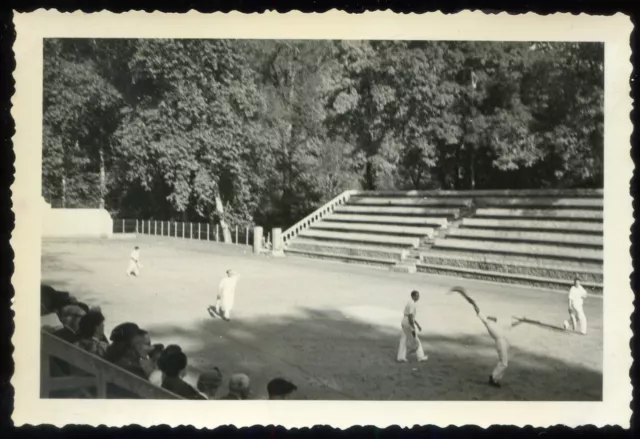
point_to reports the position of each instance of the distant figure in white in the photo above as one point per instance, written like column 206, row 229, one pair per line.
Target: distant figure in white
column 226, row 295
column 409, row 325
column 134, row 262
column 502, row 345
column 577, row 294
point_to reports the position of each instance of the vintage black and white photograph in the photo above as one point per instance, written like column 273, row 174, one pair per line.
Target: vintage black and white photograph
column 323, row 219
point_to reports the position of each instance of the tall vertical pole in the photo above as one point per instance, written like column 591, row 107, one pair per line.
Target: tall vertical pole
column 208, row 237
column 161, row 228
column 236, row 234
column 182, row 230
column 190, row 230
column 123, row 230
column 216, row 232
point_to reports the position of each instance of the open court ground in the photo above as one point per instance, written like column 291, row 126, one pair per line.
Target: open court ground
column 332, row 328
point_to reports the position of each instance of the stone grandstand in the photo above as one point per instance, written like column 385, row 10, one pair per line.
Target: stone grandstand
column 535, row 237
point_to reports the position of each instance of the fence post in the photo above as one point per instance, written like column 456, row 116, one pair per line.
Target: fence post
column 257, row 240
column 190, row 230
column 142, row 222
column 182, row 230
column 208, row 237
column 123, row 225
column 198, row 231
column 149, row 229
column 277, row 242
column 136, row 226
column 161, row 228
column 216, row 232
column 246, row 240
column 155, row 227
column 236, row 235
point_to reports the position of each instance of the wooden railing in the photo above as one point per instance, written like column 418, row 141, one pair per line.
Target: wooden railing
column 100, row 372
column 316, row 215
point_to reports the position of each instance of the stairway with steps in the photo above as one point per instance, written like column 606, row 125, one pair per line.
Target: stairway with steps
column 542, row 238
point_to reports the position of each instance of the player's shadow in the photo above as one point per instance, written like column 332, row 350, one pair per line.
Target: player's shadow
column 331, row 356
column 523, row 320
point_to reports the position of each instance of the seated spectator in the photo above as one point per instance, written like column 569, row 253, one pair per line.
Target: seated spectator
column 157, row 376
column 174, row 367
column 69, row 316
column 279, row 388
column 209, row 383
column 127, row 347
column 91, row 333
column 239, row 387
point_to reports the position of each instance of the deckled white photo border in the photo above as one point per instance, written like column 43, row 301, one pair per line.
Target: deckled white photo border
column 614, row 31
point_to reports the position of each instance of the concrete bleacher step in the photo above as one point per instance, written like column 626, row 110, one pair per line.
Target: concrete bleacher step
column 382, row 262
column 586, row 203
column 569, row 264
column 538, row 224
column 399, row 241
column 540, row 268
column 527, row 236
column 410, row 201
column 399, row 210
column 569, row 214
column 347, row 249
column 585, row 254
column 375, row 228
column 388, row 219
column 537, row 281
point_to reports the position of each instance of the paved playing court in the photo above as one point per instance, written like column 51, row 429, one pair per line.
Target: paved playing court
column 332, row 328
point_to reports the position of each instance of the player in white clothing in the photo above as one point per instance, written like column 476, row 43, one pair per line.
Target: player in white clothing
column 577, row 294
column 226, row 295
column 409, row 325
column 502, row 345
column 134, row 262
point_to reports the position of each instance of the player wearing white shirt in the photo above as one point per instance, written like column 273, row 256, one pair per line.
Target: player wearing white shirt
column 134, row 262
column 577, row 294
column 226, row 295
column 409, row 325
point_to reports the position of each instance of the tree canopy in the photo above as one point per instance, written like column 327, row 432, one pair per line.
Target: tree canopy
column 263, row 131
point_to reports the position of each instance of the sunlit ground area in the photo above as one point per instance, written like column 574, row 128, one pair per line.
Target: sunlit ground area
column 332, row 328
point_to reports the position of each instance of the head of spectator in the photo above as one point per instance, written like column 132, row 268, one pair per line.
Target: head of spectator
column 279, row 388
column 122, row 338
column 70, row 316
column 209, row 382
column 91, row 325
column 142, row 344
column 174, row 364
column 156, row 351
column 239, row 386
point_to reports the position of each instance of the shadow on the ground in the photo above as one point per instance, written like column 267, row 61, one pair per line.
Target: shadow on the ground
column 331, row 356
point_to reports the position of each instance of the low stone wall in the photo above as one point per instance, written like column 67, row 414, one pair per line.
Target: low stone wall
column 75, row 223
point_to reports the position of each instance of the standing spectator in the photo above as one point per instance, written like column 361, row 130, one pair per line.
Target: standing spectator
column 279, row 388
column 174, row 367
column 239, row 387
column 91, row 333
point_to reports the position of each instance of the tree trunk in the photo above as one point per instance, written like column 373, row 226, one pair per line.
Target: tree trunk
column 64, row 191
column 103, row 183
column 226, row 233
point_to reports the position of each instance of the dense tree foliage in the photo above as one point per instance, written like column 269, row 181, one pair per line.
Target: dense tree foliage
column 241, row 131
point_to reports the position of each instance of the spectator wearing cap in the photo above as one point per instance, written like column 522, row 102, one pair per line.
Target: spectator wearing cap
column 209, row 383
column 279, row 388
column 91, row 333
column 239, row 387
column 174, row 366
column 128, row 345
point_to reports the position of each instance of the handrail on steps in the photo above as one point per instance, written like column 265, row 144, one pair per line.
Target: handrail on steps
column 316, row 215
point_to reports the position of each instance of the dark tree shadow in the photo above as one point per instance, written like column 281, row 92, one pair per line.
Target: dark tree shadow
column 333, row 357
